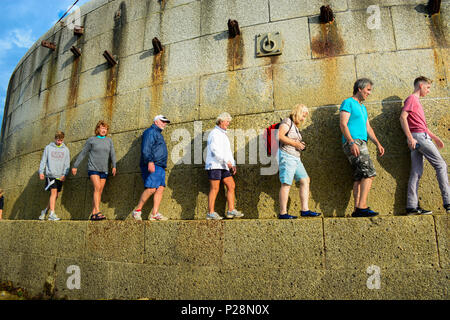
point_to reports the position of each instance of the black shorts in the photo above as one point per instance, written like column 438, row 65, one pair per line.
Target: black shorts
column 218, row 174
column 52, row 183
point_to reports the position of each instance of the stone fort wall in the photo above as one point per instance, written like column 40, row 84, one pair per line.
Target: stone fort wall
column 202, row 72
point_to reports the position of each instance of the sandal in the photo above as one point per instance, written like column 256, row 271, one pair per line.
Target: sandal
column 97, row 216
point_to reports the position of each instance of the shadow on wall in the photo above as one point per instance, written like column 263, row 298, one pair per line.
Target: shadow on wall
column 396, row 160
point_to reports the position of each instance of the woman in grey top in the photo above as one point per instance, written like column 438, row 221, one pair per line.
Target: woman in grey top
column 100, row 149
column 290, row 164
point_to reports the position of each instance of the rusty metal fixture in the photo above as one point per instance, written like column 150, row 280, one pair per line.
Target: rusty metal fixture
column 233, row 29
column 326, row 14
column 157, row 46
column 76, row 52
column 434, row 6
column 49, row 45
column 78, row 30
column 109, row 57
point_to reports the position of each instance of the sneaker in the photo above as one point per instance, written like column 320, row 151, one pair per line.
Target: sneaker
column 367, row 212
column 158, row 217
column 137, row 215
column 234, row 214
column 53, row 217
column 213, row 216
column 447, row 207
column 286, row 216
column 43, row 213
column 417, row 211
column 309, row 213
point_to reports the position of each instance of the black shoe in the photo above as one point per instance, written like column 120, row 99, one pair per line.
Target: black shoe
column 367, row 212
column 447, row 207
column 417, row 211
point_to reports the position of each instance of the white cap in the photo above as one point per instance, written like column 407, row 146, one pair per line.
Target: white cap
column 162, row 118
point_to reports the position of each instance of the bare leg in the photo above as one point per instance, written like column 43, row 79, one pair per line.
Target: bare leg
column 148, row 192
column 213, row 191
column 157, row 200
column 99, row 185
column 284, row 197
column 304, row 193
column 365, row 186
column 231, row 186
column 52, row 200
column 356, row 192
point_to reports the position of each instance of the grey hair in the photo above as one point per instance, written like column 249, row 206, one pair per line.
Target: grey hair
column 361, row 84
column 224, row 116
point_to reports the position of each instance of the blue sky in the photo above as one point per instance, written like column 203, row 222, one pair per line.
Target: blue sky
column 23, row 22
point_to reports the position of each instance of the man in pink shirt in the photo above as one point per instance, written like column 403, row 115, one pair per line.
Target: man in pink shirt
column 420, row 142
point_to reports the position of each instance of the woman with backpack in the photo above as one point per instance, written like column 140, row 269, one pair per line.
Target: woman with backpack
column 290, row 164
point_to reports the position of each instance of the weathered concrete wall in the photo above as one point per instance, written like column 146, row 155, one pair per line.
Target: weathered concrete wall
column 201, row 73
column 249, row 259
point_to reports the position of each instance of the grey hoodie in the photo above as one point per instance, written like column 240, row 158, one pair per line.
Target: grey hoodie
column 55, row 161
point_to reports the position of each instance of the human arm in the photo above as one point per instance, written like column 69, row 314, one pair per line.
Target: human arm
column 148, row 139
column 405, row 127
column 344, row 116
column 374, row 139
column 112, row 154
column 43, row 163
column 219, row 147
column 86, row 148
column 282, row 136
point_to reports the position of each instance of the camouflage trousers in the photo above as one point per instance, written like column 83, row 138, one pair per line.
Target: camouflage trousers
column 362, row 165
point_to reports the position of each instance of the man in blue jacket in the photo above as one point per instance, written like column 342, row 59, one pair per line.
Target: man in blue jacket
column 153, row 165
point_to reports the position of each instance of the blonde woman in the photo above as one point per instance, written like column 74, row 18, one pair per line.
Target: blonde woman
column 100, row 149
column 290, row 164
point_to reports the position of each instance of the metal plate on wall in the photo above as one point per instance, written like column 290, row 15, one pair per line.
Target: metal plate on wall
column 269, row 44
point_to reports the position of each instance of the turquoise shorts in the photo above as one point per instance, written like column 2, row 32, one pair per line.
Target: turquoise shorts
column 290, row 168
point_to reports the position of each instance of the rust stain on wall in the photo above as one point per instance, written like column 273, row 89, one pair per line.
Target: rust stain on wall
column 329, row 43
column 157, row 82
column 235, row 52
column 439, row 43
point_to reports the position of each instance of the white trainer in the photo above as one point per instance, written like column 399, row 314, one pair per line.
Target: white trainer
column 158, row 217
column 213, row 216
column 137, row 215
column 53, row 217
column 43, row 213
column 234, row 214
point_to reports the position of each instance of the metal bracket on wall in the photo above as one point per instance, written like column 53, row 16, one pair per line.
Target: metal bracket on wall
column 76, row 52
column 47, row 44
column 157, row 46
column 109, row 57
column 269, row 44
column 78, row 30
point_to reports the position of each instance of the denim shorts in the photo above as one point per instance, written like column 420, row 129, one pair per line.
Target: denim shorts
column 290, row 168
column 103, row 175
column 154, row 180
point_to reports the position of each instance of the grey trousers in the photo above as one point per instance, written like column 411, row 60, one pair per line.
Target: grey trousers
column 428, row 150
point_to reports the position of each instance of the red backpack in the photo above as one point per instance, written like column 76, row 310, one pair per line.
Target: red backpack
column 268, row 133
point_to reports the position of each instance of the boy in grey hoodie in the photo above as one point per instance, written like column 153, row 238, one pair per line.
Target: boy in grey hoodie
column 55, row 163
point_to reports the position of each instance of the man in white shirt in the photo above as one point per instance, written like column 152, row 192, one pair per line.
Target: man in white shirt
column 220, row 166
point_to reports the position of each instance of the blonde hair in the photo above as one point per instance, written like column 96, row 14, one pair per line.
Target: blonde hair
column 1, row 192
column 297, row 113
column 101, row 123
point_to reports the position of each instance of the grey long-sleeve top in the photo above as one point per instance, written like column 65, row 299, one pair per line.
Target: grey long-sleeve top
column 100, row 150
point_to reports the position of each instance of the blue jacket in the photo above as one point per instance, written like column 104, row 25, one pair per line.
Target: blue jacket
column 153, row 148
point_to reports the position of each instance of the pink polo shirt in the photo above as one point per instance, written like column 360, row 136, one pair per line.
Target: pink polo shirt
column 416, row 116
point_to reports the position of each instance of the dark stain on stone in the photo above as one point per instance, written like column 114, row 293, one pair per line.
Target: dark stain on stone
column 157, row 82
column 119, row 33
column 329, row 43
column 235, row 52
column 51, row 74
